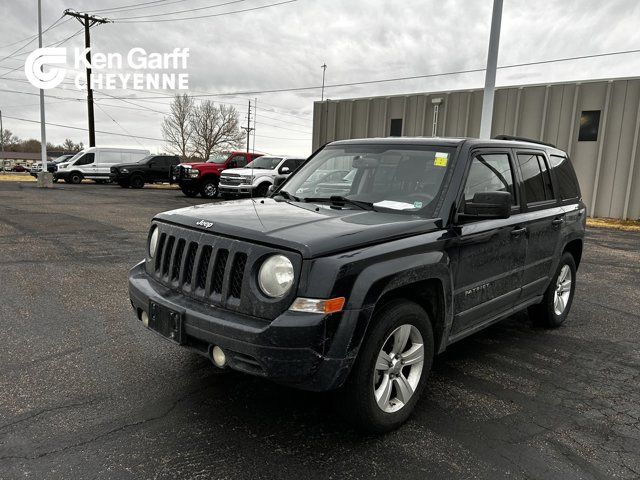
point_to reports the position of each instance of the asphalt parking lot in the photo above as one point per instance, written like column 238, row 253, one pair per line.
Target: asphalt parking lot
column 86, row 392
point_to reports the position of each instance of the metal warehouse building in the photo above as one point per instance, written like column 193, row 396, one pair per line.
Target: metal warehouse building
column 596, row 122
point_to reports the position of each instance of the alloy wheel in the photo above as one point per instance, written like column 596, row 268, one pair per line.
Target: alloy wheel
column 563, row 290
column 398, row 368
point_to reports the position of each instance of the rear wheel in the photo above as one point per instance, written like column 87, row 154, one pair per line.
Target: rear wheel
column 209, row 189
column 391, row 369
column 75, row 178
column 137, row 181
column 556, row 303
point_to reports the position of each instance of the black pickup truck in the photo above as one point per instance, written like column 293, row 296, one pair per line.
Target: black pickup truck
column 151, row 169
column 434, row 240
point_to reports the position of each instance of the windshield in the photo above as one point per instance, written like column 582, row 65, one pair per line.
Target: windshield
column 75, row 157
column 402, row 178
column 267, row 163
column 62, row 158
column 218, row 158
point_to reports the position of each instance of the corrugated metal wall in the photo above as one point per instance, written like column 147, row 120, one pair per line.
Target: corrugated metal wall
column 608, row 168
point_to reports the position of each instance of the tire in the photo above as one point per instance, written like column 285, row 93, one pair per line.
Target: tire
column 75, row 178
column 356, row 400
column 189, row 192
column 557, row 300
column 262, row 190
column 209, row 189
column 137, row 181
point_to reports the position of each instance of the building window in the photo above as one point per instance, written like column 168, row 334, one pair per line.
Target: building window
column 396, row 127
column 589, row 124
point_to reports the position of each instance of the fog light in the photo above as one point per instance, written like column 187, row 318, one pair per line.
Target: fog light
column 218, row 357
column 145, row 318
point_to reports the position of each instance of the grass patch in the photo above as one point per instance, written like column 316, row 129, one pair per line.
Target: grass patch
column 625, row 225
column 20, row 177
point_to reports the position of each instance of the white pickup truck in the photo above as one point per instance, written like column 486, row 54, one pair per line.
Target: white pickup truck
column 256, row 177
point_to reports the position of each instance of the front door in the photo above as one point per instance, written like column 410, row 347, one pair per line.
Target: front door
column 491, row 253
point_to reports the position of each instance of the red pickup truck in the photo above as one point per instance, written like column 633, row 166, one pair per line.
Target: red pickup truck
column 203, row 178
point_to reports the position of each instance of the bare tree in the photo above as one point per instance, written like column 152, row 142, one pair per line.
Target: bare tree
column 176, row 127
column 214, row 128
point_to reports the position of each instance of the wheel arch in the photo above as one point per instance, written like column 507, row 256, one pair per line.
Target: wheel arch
column 574, row 247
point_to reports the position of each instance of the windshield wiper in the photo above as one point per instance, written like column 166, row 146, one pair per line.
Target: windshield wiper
column 340, row 201
column 286, row 195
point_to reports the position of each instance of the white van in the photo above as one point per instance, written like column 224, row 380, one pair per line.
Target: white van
column 95, row 163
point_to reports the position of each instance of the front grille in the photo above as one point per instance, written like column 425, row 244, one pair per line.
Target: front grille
column 215, row 269
column 231, row 180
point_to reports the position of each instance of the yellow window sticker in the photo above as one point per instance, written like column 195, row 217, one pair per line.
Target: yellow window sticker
column 441, row 159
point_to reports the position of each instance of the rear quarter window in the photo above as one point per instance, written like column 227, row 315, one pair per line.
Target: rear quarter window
column 568, row 187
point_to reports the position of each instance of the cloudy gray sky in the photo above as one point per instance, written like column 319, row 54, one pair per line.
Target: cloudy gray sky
column 284, row 47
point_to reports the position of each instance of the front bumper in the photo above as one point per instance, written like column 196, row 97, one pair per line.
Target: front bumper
column 61, row 174
column 292, row 349
column 235, row 189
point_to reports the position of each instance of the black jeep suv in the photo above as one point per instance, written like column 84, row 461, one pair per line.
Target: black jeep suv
column 433, row 240
column 151, row 169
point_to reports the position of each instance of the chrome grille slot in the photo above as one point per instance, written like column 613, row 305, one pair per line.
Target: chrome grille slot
column 191, row 260
column 203, row 266
column 177, row 261
column 166, row 255
column 159, row 250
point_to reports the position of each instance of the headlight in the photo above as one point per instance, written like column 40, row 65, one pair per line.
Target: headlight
column 276, row 276
column 153, row 241
column 124, row 170
column 248, row 179
column 193, row 172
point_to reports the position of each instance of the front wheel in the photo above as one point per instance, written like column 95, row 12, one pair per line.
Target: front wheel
column 391, row 369
column 75, row 178
column 556, row 303
column 137, row 181
column 209, row 189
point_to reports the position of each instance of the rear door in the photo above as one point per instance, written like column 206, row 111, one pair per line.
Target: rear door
column 491, row 253
column 544, row 220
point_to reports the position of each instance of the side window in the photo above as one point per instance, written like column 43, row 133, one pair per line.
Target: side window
column 299, row 162
column 86, row 159
column 490, row 172
column 241, row 160
column 290, row 164
column 536, row 177
column 566, row 177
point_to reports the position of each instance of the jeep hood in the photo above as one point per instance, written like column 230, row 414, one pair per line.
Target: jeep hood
column 298, row 226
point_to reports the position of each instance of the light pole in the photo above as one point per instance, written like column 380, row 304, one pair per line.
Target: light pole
column 44, row 174
column 490, row 74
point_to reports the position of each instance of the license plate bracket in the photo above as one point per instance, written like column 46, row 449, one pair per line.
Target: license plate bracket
column 166, row 322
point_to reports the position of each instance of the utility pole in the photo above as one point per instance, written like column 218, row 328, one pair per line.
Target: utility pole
column 255, row 114
column 490, row 73
column 324, row 71
column 42, row 175
column 248, row 128
column 88, row 21
column 2, row 143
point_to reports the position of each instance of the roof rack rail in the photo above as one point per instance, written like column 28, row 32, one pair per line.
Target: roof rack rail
column 523, row 139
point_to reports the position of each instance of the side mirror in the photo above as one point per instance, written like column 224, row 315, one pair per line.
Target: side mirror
column 278, row 180
column 488, row 205
column 285, row 170
column 151, row 164
column 270, row 190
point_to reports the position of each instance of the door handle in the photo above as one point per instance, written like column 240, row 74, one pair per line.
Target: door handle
column 557, row 222
column 516, row 232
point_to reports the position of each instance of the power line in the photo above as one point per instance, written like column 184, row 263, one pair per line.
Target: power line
column 134, row 6
column 182, row 11
column 31, row 38
column 397, row 79
column 208, row 16
column 84, row 129
column 118, row 123
column 282, row 128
